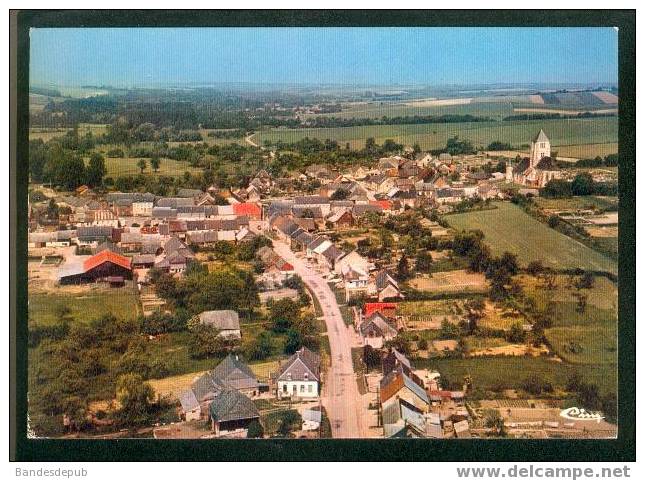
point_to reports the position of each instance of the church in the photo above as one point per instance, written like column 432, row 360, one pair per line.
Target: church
column 538, row 169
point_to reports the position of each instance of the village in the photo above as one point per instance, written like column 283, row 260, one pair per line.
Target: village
column 364, row 303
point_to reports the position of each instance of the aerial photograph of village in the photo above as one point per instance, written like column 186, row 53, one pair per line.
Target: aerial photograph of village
column 323, row 233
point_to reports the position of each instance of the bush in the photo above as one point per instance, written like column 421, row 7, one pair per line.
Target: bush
column 255, row 430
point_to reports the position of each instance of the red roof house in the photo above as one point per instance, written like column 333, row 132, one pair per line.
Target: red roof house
column 386, row 308
column 249, row 209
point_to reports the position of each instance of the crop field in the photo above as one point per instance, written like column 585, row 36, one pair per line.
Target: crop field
column 128, row 166
column 451, row 281
column 509, row 228
column 376, row 110
column 588, row 202
column 434, row 136
column 45, row 308
column 587, row 151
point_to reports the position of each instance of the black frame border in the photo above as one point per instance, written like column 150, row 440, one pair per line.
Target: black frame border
column 23, row 448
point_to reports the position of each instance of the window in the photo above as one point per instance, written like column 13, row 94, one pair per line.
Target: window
column 302, row 388
column 284, row 388
column 310, row 388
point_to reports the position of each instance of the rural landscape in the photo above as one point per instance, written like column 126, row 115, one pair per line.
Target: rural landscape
column 323, row 260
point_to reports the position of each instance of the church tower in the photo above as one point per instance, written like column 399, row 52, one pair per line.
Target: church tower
column 540, row 147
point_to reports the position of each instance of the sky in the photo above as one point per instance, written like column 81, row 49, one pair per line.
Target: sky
column 365, row 56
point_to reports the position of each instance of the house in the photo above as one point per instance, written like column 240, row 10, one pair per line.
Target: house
column 387, row 308
column 227, row 322
column 233, row 373
column 142, row 209
column 96, row 268
column 539, row 168
column 248, row 209
column 232, row 411
column 190, row 408
column 393, row 359
column 341, row 219
column 329, row 256
column 354, row 260
column 400, row 384
column 401, row 416
column 299, row 376
column 386, row 286
column 87, row 235
column 356, row 282
column 376, row 329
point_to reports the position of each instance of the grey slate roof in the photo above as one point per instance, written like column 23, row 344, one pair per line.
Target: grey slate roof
column 188, row 400
column 541, row 137
column 231, row 405
column 233, row 373
column 222, row 320
column 303, row 365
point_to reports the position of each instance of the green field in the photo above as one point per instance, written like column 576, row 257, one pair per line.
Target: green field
column 509, row 228
column 492, row 373
column 44, row 308
column 128, row 166
column 434, row 136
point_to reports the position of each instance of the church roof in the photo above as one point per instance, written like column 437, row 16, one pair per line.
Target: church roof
column 521, row 166
column 541, row 137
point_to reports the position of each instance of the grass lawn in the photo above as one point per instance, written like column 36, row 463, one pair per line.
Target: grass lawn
column 44, row 306
column 509, row 228
column 432, row 136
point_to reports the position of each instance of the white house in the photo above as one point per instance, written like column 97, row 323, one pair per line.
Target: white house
column 299, row 376
column 142, row 209
column 353, row 260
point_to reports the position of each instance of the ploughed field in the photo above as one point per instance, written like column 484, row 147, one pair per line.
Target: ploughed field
column 509, row 228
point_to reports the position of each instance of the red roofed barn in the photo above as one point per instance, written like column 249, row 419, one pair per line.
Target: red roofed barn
column 106, row 264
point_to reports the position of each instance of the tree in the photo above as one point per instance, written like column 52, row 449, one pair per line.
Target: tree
column 582, row 184
column 370, row 144
column 402, row 268
column 96, row 170
column 155, row 162
column 535, row 267
column 494, row 421
column 142, row 165
column 283, row 313
column 581, row 302
column 205, row 341
column 260, row 348
column 586, row 281
column 255, row 430
column 294, row 341
column 340, row 194
column 424, row 262
column 135, row 398
column 516, row 333
column 371, row 357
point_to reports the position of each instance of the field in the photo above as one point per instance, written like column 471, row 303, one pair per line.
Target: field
column 577, row 203
column 509, row 228
column 45, row 307
column 587, row 151
column 494, row 373
column 128, row 166
column 434, row 136
column 451, row 281
column 586, row 338
column 47, row 134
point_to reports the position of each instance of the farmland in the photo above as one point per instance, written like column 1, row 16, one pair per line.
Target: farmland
column 128, row 166
column 509, row 228
column 562, row 132
column 494, row 373
column 45, row 308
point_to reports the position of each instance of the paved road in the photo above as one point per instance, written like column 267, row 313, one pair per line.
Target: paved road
column 340, row 392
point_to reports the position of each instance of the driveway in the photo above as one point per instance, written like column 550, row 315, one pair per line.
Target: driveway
column 339, row 392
